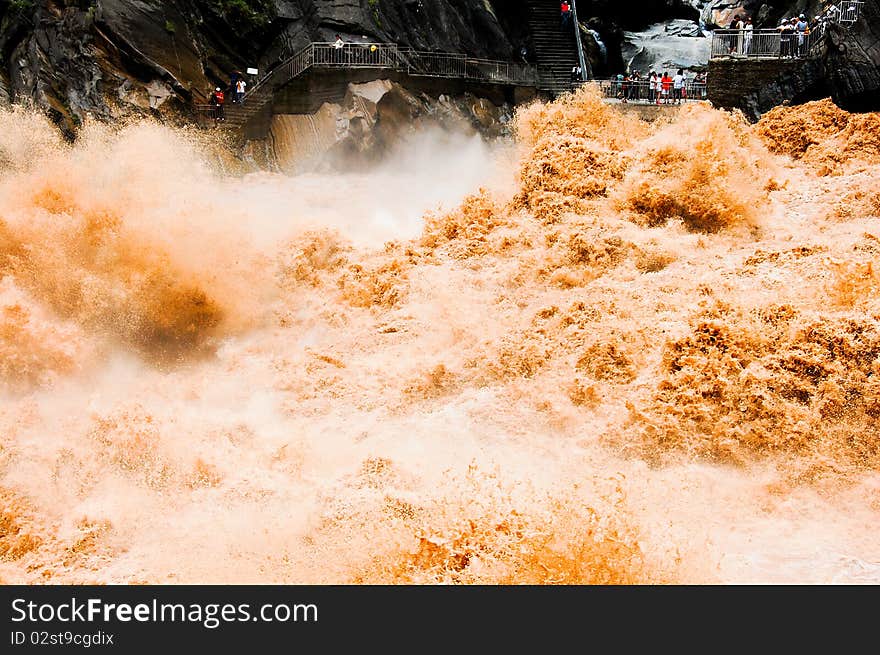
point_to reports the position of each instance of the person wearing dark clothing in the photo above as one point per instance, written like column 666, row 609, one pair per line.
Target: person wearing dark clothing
column 231, row 90
column 786, row 37
column 565, row 10
column 635, row 81
column 217, row 100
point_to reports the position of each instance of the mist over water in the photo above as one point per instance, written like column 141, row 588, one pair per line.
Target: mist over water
column 614, row 352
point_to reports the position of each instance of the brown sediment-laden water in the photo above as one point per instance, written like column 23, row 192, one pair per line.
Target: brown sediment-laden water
column 611, row 352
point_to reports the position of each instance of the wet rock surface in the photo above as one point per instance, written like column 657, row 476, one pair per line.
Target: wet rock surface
column 374, row 118
column 846, row 68
column 668, row 46
column 109, row 58
column 852, row 62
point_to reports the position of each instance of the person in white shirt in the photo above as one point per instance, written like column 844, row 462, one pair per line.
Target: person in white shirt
column 678, row 85
column 240, row 88
column 747, row 39
column 740, row 25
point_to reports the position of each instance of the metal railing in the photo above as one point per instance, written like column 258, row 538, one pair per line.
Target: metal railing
column 641, row 91
column 789, row 43
column 764, row 43
column 582, row 61
column 381, row 56
column 406, row 60
column 848, row 12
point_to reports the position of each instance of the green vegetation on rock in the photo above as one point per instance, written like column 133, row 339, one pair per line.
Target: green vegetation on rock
column 244, row 14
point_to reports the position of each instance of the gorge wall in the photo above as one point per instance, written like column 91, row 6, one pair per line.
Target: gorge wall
column 110, row 58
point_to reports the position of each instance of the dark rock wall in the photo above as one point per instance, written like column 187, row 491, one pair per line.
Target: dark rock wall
column 105, row 57
column 755, row 86
column 852, row 62
column 108, row 57
column 848, row 70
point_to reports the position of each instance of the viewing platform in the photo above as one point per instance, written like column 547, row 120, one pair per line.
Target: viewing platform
column 754, row 70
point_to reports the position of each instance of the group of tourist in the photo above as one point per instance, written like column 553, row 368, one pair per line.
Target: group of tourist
column 794, row 33
column 794, row 42
column 744, row 39
column 657, row 88
column 235, row 91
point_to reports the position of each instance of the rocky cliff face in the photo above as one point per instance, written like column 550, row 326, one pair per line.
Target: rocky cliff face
column 852, row 62
column 666, row 34
column 369, row 122
column 107, row 57
column 848, row 70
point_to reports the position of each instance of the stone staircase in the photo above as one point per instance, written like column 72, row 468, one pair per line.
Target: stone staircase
column 555, row 49
column 237, row 116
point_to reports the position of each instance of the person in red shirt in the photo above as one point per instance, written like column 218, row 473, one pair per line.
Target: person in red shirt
column 217, row 100
column 565, row 9
column 666, row 87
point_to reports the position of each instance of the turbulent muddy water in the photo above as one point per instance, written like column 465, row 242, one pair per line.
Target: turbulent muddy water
column 618, row 352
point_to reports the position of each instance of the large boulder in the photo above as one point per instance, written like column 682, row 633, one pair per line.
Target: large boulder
column 668, row 46
column 372, row 120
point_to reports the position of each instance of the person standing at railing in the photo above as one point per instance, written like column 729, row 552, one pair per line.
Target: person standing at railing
column 338, row 45
column 801, row 28
column 747, row 38
column 652, row 81
column 818, row 24
column 565, row 11
column 678, row 86
column 635, row 85
column 231, row 89
column 665, row 87
column 786, row 34
column 740, row 26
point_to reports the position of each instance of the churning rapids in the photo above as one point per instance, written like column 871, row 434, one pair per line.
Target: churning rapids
column 614, row 352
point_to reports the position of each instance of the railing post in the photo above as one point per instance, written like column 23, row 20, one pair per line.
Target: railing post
column 577, row 38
